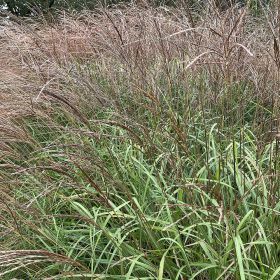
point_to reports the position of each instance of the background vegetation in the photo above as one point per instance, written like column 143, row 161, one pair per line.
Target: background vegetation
column 140, row 143
column 31, row 7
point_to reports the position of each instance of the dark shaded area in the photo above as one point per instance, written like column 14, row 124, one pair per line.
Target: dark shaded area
column 25, row 8
column 31, row 7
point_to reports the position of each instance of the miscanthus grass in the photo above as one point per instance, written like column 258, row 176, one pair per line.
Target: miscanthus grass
column 137, row 144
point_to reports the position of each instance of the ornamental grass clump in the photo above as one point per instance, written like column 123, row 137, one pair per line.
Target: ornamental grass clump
column 138, row 144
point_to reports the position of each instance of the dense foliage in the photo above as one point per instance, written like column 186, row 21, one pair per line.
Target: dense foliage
column 137, row 144
column 29, row 7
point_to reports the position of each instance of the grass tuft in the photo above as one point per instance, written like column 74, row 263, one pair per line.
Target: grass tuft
column 139, row 144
